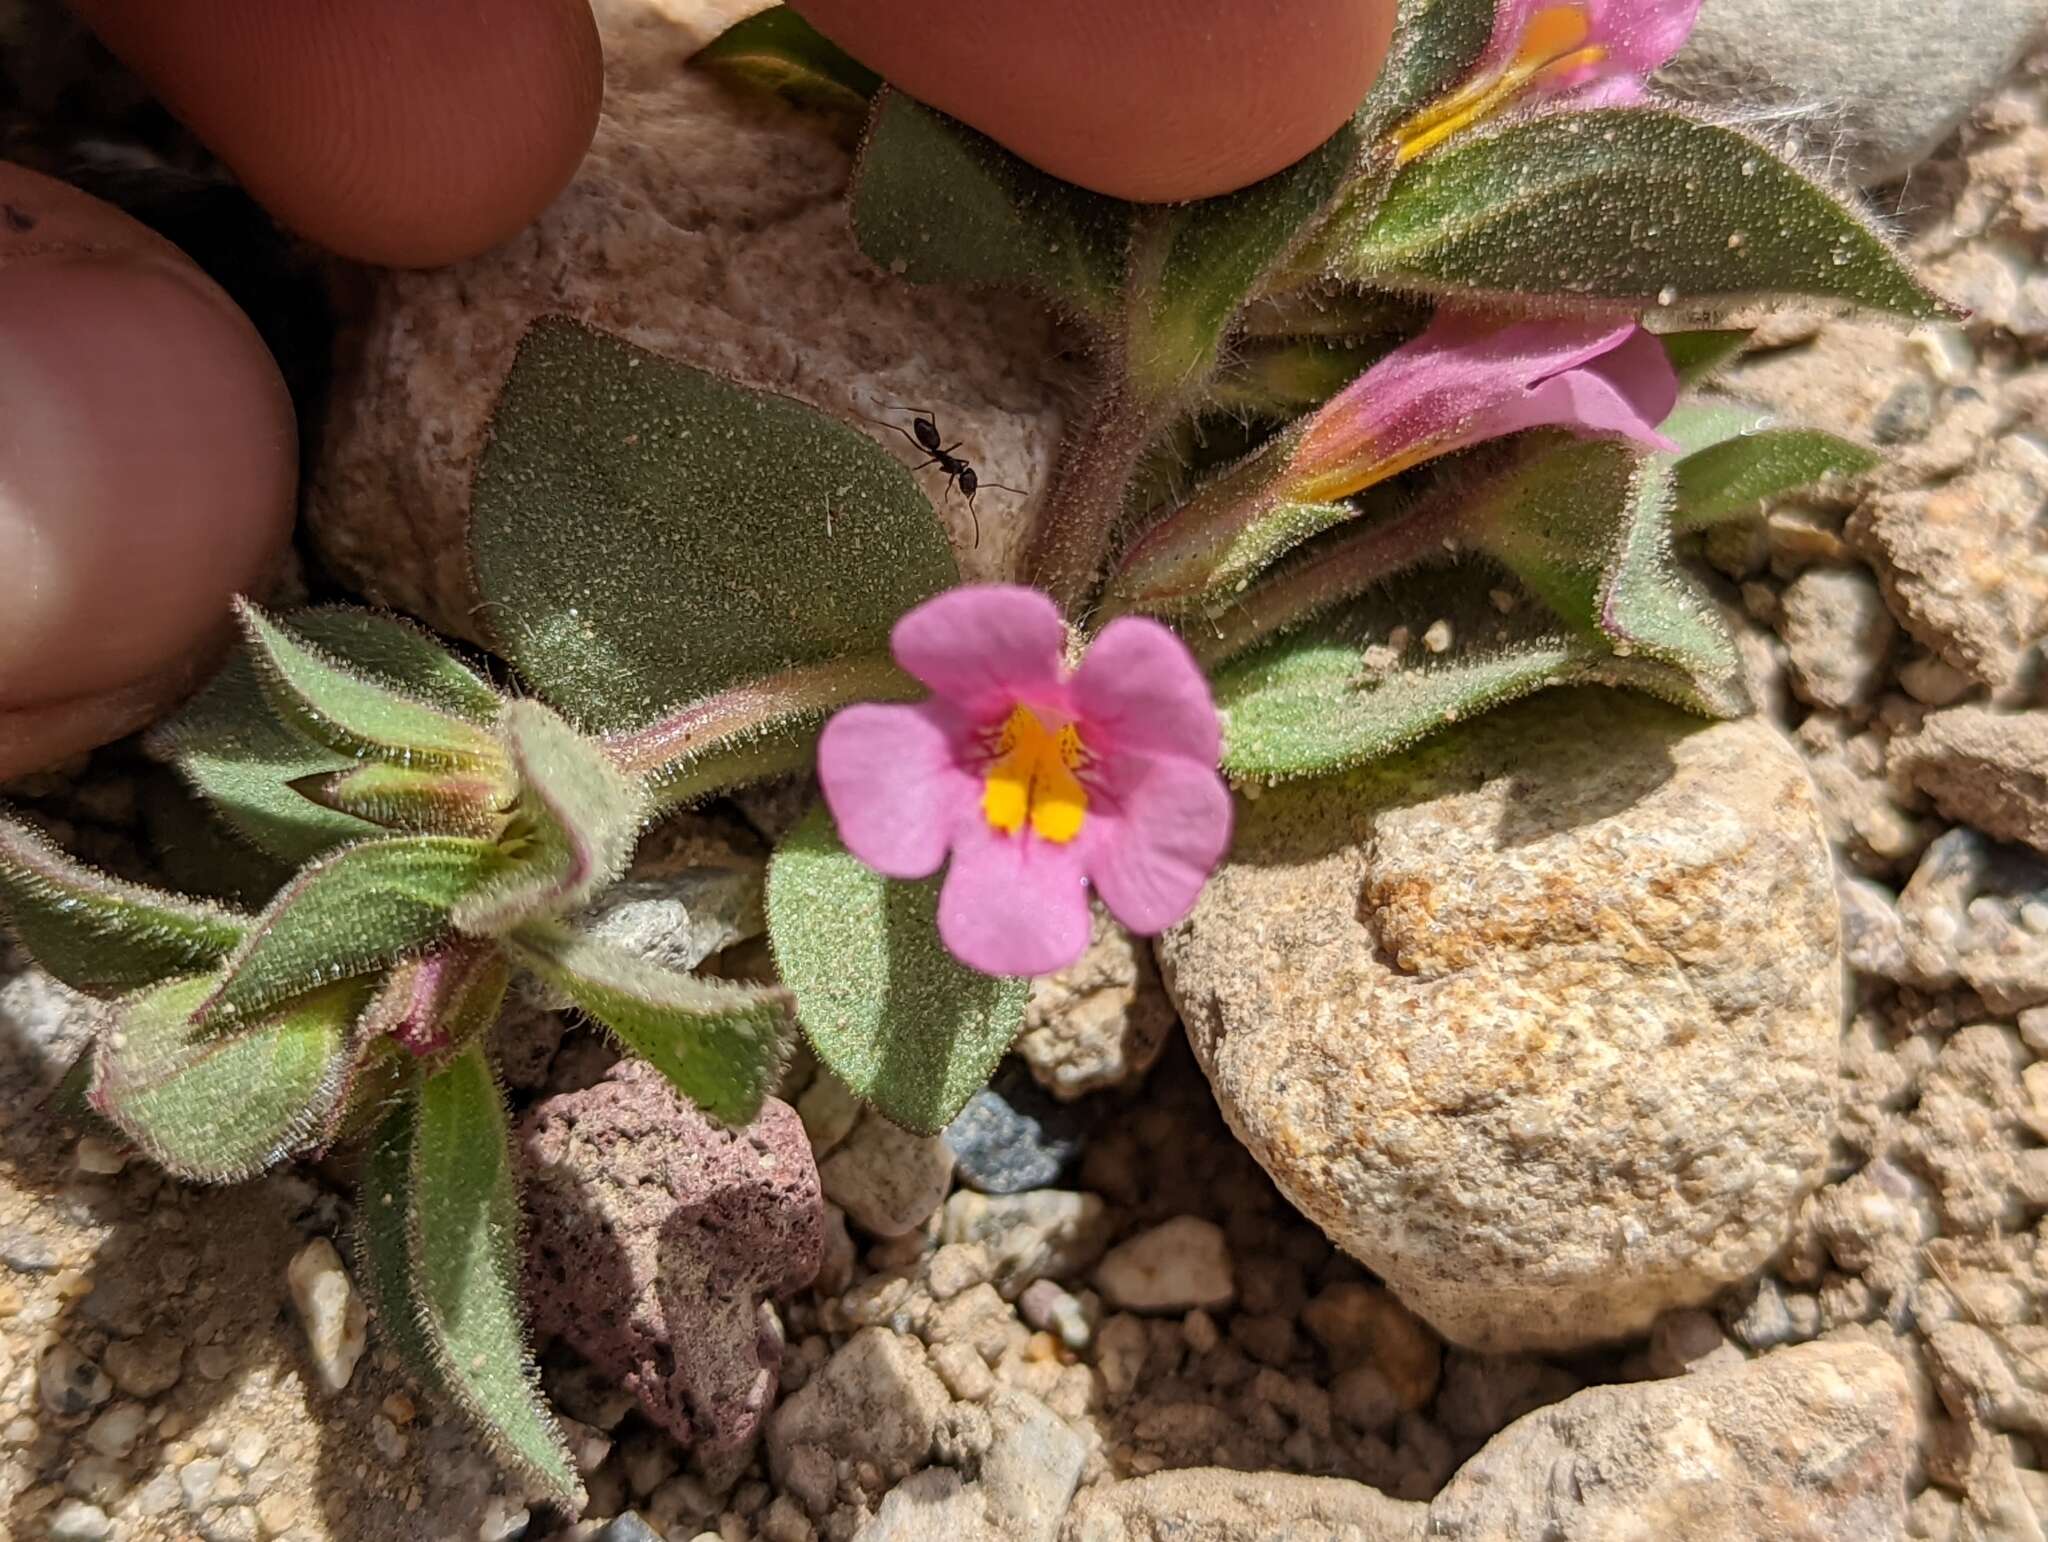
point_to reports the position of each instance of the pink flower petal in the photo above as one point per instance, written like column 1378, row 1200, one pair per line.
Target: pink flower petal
column 892, row 778
column 1643, row 36
column 985, row 647
column 1440, row 391
column 1159, row 831
column 1014, row 904
column 1626, row 392
column 1610, row 91
column 1139, row 689
column 1639, row 36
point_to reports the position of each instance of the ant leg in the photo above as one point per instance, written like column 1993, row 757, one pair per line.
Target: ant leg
column 899, row 428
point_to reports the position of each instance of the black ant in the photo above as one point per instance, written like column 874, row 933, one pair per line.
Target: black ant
column 924, row 433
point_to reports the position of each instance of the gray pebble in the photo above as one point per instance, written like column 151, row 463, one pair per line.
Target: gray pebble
column 197, row 1481
column 24, row 1252
column 1014, row 1136
column 627, row 1528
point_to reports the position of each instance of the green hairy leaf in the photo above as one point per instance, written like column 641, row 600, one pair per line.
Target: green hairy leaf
column 220, row 1105
column 231, row 747
column 889, row 1011
column 352, row 714
column 724, row 535
column 777, row 50
column 462, row 1238
column 358, row 911
column 1700, row 422
column 418, row 802
column 1339, row 692
column 1696, row 356
column 98, row 934
column 1654, row 611
column 1436, row 45
column 238, row 752
column 720, row 1044
column 579, row 819
column 1635, row 205
column 937, row 203
column 383, row 1245
column 1278, row 380
column 394, row 652
column 1729, row 479
column 1586, row 527
column 1215, row 252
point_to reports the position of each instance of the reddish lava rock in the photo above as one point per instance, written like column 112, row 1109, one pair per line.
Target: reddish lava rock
column 655, row 1238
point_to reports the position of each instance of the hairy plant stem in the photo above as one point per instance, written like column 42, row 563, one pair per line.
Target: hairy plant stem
column 751, row 731
column 1327, row 576
column 1143, row 385
column 1078, row 523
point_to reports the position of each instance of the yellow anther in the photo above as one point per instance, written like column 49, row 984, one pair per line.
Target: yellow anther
column 1033, row 778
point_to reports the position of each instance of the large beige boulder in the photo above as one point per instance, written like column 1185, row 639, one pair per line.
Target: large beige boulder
column 1540, row 1021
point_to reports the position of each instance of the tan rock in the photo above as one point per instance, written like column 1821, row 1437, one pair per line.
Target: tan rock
column 706, row 224
column 1812, row 1442
column 1964, row 564
column 1363, row 1325
column 877, row 1401
column 1101, row 1022
column 1176, row 1266
column 886, row 1179
column 1539, row 1022
column 1210, row 1504
column 1983, row 768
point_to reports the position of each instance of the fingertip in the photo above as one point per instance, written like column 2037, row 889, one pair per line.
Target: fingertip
column 1140, row 99
column 388, row 131
column 148, row 466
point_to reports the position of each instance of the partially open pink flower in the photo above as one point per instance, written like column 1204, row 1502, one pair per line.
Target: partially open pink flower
column 1462, row 381
column 1465, row 380
column 1592, row 53
column 1037, row 782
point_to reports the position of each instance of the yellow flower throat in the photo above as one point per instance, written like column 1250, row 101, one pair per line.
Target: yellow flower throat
column 1032, row 778
column 1554, row 42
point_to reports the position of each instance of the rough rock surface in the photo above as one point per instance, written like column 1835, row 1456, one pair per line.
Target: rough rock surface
column 1101, row 1022
column 876, row 1403
column 1869, row 86
column 1206, row 1504
column 655, row 1237
column 705, row 224
column 1976, row 914
column 1811, row 1443
column 886, row 1179
column 1983, row 768
column 1839, row 635
column 1446, row 1001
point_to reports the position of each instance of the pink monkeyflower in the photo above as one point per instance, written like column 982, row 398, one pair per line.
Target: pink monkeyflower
column 1036, row 781
column 1588, row 53
column 1462, row 381
column 1465, row 380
